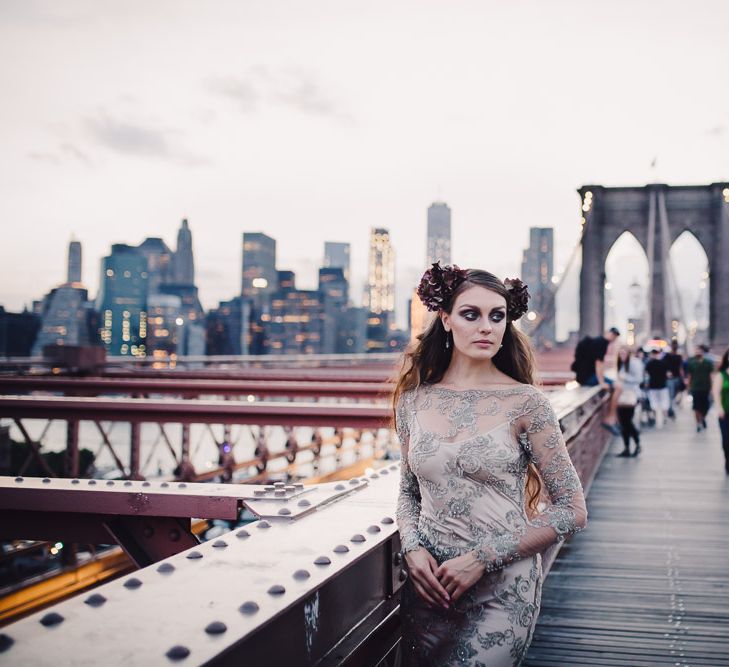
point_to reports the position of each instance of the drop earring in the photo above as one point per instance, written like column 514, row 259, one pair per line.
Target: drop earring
column 448, row 340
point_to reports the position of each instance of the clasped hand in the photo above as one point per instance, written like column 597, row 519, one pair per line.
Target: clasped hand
column 444, row 584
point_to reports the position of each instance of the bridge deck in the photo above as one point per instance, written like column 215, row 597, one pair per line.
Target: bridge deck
column 648, row 582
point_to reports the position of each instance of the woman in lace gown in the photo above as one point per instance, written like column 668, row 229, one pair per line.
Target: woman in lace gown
column 478, row 440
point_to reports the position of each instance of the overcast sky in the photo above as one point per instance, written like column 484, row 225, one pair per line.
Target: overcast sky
column 314, row 121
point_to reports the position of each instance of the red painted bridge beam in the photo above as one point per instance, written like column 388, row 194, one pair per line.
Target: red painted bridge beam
column 94, row 386
column 138, row 410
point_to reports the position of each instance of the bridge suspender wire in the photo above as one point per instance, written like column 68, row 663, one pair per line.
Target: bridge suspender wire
column 549, row 311
column 673, row 283
column 651, row 259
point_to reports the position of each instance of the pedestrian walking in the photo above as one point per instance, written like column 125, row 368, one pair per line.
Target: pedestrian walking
column 630, row 376
column 676, row 377
column 699, row 370
column 589, row 369
column 658, row 396
column 721, row 398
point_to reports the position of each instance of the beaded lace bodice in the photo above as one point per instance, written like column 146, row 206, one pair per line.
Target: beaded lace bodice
column 463, row 473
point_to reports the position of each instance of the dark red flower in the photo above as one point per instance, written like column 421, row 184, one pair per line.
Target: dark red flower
column 518, row 302
column 438, row 284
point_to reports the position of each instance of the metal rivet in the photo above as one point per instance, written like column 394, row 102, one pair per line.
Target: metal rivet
column 132, row 583
column 259, row 492
column 164, row 485
column 5, row 642
column 393, row 467
column 243, row 533
column 216, row 628
column 220, row 544
column 127, row 483
column 194, row 555
column 284, row 511
column 374, row 475
column 249, row 607
column 46, row 480
column 298, row 486
column 96, row 600
column 51, row 619
column 276, row 589
column 75, row 481
column 384, row 472
column 182, row 485
column 165, row 568
column 92, row 482
column 358, row 538
column 322, row 560
column 303, row 503
column 279, row 485
column 341, row 549
column 174, row 535
column 403, row 575
column 279, row 493
column 397, row 559
column 269, row 488
column 178, row 653
column 388, row 520
column 340, row 487
column 18, row 479
column 290, row 488
column 148, row 531
column 373, row 529
column 301, row 574
column 264, row 524
column 354, row 482
column 146, row 484
column 110, row 483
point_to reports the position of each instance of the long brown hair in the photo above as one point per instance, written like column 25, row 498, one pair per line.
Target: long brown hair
column 426, row 361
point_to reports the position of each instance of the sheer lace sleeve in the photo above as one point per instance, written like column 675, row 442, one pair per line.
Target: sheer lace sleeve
column 541, row 438
column 408, row 501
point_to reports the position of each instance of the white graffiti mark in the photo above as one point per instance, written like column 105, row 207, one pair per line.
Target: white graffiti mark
column 311, row 621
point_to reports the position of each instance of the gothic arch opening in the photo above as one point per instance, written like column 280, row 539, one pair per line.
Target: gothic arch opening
column 690, row 293
column 626, row 286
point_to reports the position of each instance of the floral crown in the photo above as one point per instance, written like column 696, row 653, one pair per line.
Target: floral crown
column 439, row 283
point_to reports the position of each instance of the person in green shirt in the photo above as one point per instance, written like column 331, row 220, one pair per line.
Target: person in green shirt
column 721, row 397
column 699, row 371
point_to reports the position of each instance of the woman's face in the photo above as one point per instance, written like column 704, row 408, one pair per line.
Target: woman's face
column 477, row 322
column 623, row 353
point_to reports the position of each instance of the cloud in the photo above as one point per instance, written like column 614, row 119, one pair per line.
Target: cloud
column 66, row 151
column 291, row 88
column 242, row 92
column 48, row 158
column 136, row 139
column 73, row 151
column 307, row 96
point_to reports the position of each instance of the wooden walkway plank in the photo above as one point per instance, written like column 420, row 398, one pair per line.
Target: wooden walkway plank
column 647, row 583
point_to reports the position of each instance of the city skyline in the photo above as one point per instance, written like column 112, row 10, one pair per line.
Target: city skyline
column 239, row 120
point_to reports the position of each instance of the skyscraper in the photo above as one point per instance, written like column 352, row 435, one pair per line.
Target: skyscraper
column 66, row 318
column 74, row 262
column 123, row 301
column 333, row 290
column 380, row 290
column 184, row 273
column 439, row 233
column 160, row 265
column 259, row 266
column 336, row 256
column 537, row 269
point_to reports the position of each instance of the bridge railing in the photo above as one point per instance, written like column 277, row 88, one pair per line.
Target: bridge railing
column 327, row 581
